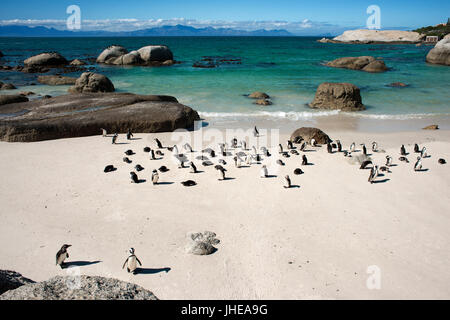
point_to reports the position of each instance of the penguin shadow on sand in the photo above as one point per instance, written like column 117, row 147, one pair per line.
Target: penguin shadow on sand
column 271, row 176
column 151, row 271
column 422, row 170
column 227, row 179
column 121, row 143
column 133, row 139
column 381, row 181
column 164, row 183
column 139, row 181
column 80, row 263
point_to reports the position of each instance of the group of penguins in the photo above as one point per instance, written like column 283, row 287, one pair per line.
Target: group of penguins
column 244, row 156
column 131, row 262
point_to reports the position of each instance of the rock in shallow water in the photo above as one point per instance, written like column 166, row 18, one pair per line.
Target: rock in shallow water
column 440, row 54
column 337, row 96
column 47, row 59
column 79, row 115
column 56, row 80
column 92, row 82
column 364, row 63
column 79, row 288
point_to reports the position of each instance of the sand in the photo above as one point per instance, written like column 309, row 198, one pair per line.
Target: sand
column 312, row 242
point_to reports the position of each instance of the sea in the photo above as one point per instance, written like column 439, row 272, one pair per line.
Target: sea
column 289, row 69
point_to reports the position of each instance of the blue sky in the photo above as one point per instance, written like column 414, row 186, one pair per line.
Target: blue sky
column 300, row 15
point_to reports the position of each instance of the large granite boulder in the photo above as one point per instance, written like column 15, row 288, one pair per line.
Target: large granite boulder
column 79, row 115
column 364, row 63
column 11, row 98
column 440, row 54
column 367, row 36
column 56, row 80
column 308, row 133
column 155, row 53
column 10, row 280
column 92, row 82
column 259, row 95
column 111, row 53
column 77, row 62
column 337, row 96
column 129, row 59
column 79, row 288
column 46, row 59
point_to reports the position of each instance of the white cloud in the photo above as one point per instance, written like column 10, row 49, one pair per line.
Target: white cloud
column 305, row 26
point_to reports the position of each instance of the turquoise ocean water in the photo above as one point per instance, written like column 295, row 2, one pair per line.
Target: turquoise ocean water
column 289, row 69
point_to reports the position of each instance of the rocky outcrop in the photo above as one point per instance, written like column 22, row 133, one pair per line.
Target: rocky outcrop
column 440, row 54
column 431, row 127
column 7, row 86
column 13, row 98
column 263, row 102
column 47, row 59
column 308, row 133
column 337, row 96
column 146, row 56
column 79, row 115
column 398, row 85
column 202, row 243
column 56, row 80
column 259, row 95
column 77, row 62
column 79, row 288
column 366, row 36
column 92, row 82
column 111, row 53
column 364, row 63
column 10, row 280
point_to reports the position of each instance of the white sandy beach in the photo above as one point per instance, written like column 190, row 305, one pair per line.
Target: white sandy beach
column 312, row 242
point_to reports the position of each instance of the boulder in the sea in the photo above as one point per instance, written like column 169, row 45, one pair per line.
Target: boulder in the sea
column 92, row 82
column 364, row 63
column 337, row 96
column 111, row 53
column 398, row 85
column 431, row 127
column 79, row 288
column 378, row 36
column 7, row 86
column 308, row 133
column 202, row 243
column 440, row 54
column 259, row 95
column 80, row 115
column 77, row 62
column 56, row 80
column 13, row 98
column 10, row 280
column 132, row 58
column 263, row 102
column 325, row 40
column 155, row 53
column 46, row 59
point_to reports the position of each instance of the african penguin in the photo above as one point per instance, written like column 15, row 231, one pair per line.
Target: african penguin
column 62, row 255
column 131, row 262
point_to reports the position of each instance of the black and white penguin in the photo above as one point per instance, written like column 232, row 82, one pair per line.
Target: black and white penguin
column 159, row 153
column 222, row 161
column 416, row 148
column 163, row 169
column 62, row 255
column 303, row 146
column 374, row 146
column 290, row 145
column 193, row 167
column 152, row 155
column 403, row 150
column 104, row 133
column 182, row 159
column 126, row 160
column 280, row 148
column 138, row 168
column 155, row 177
column 295, row 152
column 222, row 171
column 423, row 153
column 114, row 138
column 237, row 161
column 207, row 163
column 189, row 183
column 134, row 177
column 158, row 143
column 313, row 142
column 264, row 173
column 442, row 161
column 364, row 149
column 418, row 164
column 388, row 161
column 329, row 148
column 147, row 149
column 304, row 160
column 244, row 145
column 256, row 132
column 298, row 171
column 288, row 182
column 285, row 154
column 404, row 159
column 131, row 262
column 234, row 143
column 109, row 168
column 365, row 164
column 352, row 147
column 129, row 134
column 339, row 145
column 385, row 169
column 129, row 152
column 187, row 147
column 373, row 174
column 280, row 162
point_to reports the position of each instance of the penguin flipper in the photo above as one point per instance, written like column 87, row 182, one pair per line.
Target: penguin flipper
column 139, row 261
column 125, row 264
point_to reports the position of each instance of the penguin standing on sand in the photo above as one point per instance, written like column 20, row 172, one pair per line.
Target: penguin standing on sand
column 244, row 145
column 158, row 143
column 264, row 173
column 193, row 167
column 403, row 150
column 280, row 148
column 290, row 145
column 364, row 149
column 418, row 165
column 104, row 133
column 352, row 147
column 423, row 153
column 303, row 146
column 304, row 160
column 388, row 161
column 373, row 174
column 155, row 177
column 152, row 155
column 339, row 145
column 288, row 182
column 416, row 148
column 329, row 148
column 62, row 255
column 256, row 132
column 222, row 171
column 313, row 142
column 129, row 134
column 114, row 138
column 134, row 177
column 374, row 146
column 131, row 262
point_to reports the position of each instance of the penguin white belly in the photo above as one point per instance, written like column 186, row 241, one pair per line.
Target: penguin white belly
column 61, row 258
column 132, row 264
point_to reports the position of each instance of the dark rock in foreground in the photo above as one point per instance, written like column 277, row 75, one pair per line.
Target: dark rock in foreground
column 308, row 133
column 364, row 63
column 10, row 280
column 79, row 288
column 80, row 115
column 47, row 59
column 338, row 96
column 13, row 98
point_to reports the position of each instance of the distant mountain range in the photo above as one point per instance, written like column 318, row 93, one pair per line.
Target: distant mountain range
column 178, row 30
